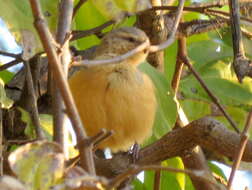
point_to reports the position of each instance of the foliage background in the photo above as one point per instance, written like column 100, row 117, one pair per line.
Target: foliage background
column 210, row 53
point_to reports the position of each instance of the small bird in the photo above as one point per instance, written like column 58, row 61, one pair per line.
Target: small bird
column 117, row 97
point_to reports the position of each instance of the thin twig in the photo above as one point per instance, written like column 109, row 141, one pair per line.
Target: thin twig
column 81, row 34
column 157, row 180
column 210, row 11
column 18, row 59
column 202, row 10
column 86, row 157
column 240, row 150
column 99, row 141
column 13, row 55
column 220, row 179
column 192, row 8
column 246, row 33
column 1, row 141
column 207, row 5
column 9, row 64
column 78, row 6
column 20, row 142
column 217, row 3
column 210, row 94
column 93, row 63
column 199, row 26
column 63, row 29
column 135, row 170
column 33, row 101
column 98, row 138
column 179, row 65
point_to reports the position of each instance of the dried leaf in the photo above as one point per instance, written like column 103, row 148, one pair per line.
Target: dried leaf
column 10, row 183
column 39, row 165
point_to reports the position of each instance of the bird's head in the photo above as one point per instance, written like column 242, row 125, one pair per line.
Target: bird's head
column 122, row 40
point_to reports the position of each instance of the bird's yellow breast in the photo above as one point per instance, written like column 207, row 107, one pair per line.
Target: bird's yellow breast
column 116, row 97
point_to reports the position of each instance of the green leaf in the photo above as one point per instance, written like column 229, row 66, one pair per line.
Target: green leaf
column 138, row 185
column 168, row 179
column 226, row 37
column 133, row 6
column 170, row 55
column 126, row 5
column 108, row 8
column 222, row 82
column 167, row 110
column 18, row 17
column 212, row 51
column 195, row 109
column 6, row 76
column 149, row 179
column 174, row 180
column 82, row 21
column 189, row 185
column 217, row 170
column 46, row 122
column 4, row 100
column 39, row 165
column 117, row 9
column 237, row 114
column 29, row 129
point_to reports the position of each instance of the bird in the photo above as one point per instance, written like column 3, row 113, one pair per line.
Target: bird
column 117, row 97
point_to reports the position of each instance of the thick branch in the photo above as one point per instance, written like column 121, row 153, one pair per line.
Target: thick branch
column 152, row 23
column 206, row 132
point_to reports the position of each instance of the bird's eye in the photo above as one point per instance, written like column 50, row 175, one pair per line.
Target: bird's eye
column 131, row 39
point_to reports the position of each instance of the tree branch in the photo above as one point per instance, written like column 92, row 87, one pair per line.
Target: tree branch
column 153, row 24
column 64, row 27
column 240, row 150
column 10, row 64
column 171, row 38
column 78, row 6
column 33, row 108
column 135, row 170
column 205, row 132
column 1, row 142
column 242, row 65
column 13, row 55
column 81, row 34
column 47, row 39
